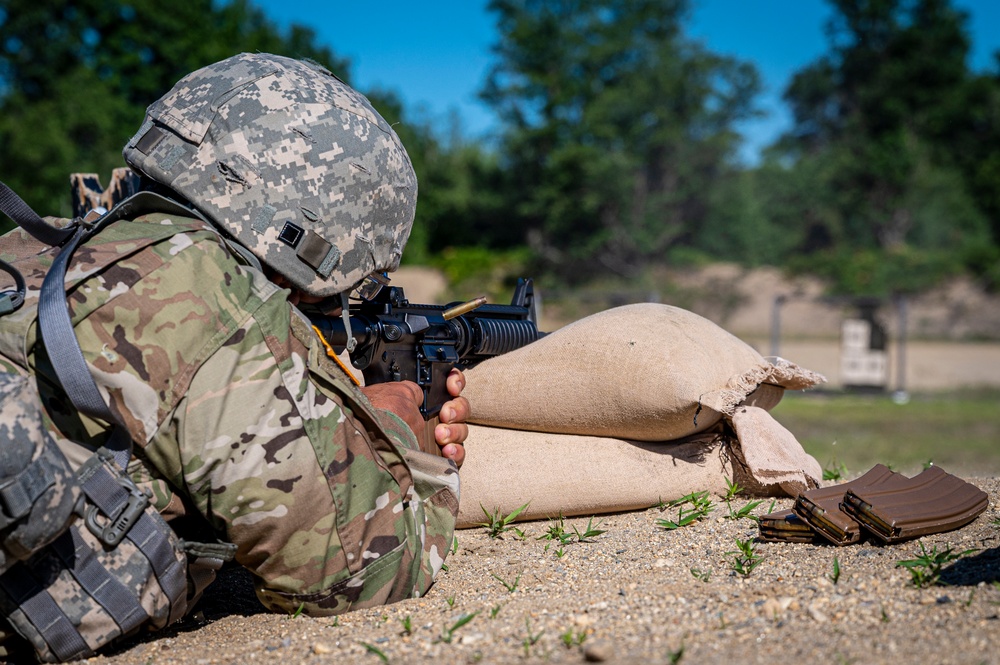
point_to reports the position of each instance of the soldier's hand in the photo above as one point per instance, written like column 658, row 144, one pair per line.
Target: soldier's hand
column 449, row 429
column 402, row 398
column 450, row 433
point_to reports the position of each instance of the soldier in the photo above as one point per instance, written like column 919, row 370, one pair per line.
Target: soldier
column 294, row 190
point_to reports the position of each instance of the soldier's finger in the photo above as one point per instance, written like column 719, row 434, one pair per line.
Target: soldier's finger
column 453, row 433
column 455, row 411
column 455, row 382
column 455, row 453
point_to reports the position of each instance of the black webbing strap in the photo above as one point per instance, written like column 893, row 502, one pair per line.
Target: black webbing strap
column 45, row 615
column 65, row 353
column 22, row 215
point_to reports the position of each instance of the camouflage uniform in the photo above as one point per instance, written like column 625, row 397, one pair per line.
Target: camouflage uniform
column 239, row 416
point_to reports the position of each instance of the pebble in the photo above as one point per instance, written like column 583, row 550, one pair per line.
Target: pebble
column 816, row 614
column 598, row 652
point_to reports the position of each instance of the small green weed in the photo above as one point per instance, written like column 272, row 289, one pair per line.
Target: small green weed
column 495, row 610
column 407, row 625
column 834, row 575
column 573, row 638
column 674, row 657
column 745, row 558
column 449, row 633
column 925, row 570
column 371, row 648
column 744, row 512
column 701, row 575
column 497, row 523
column 701, row 506
column 531, row 639
column 590, row 532
column 298, row 611
column 557, row 531
column 450, row 600
column 732, row 489
column 836, row 471
column 928, row 464
column 510, row 586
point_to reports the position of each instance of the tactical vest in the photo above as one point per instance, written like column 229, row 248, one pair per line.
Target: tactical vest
column 84, row 557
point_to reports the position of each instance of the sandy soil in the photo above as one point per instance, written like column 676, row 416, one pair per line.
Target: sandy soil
column 635, row 594
column 638, row 593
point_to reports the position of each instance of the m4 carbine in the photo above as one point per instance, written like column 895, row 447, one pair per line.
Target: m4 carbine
column 399, row 341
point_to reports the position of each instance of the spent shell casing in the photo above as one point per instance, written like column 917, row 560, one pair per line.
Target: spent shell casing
column 464, row 308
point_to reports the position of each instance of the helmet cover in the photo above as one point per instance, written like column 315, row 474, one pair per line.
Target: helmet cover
column 290, row 162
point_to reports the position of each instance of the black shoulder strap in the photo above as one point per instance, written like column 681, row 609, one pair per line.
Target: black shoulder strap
column 54, row 320
column 65, row 353
column 28, row 219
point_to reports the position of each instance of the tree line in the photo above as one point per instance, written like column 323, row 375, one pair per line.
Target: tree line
column 618, row 144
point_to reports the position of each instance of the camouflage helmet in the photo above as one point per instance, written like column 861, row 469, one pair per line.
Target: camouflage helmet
column 290, row 162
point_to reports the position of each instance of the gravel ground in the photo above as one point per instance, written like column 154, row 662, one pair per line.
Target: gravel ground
column 630, row 595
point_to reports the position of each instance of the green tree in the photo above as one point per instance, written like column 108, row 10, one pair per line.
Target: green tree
column 971, row 138
column 877, row 123
column 616, row 128
column 76, row 76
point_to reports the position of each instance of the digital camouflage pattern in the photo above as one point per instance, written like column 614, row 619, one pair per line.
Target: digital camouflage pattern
column 229, row 395
column 290, row 161
column 131, row 574
column 38, row 490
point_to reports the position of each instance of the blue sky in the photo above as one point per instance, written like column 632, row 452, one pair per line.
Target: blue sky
column 435, row 53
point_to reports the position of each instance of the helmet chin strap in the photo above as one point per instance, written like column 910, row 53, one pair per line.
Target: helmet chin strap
column 345, row 314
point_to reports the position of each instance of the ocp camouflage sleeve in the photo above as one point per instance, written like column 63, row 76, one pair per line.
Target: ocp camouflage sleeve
column 291, row 463
column 233, row 405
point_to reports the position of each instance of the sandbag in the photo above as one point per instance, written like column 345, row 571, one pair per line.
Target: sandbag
column 582, row 475
column 568, row 474
column 645, row 372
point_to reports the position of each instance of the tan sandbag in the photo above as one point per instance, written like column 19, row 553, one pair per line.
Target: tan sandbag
column 771, row 454
column 582, row 475
column 645, row 372
column 571, row 475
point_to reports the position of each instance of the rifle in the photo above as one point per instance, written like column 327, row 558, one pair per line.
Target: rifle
column 399, row 341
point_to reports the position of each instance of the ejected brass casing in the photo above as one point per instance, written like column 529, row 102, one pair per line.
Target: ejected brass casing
column 464, row 308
